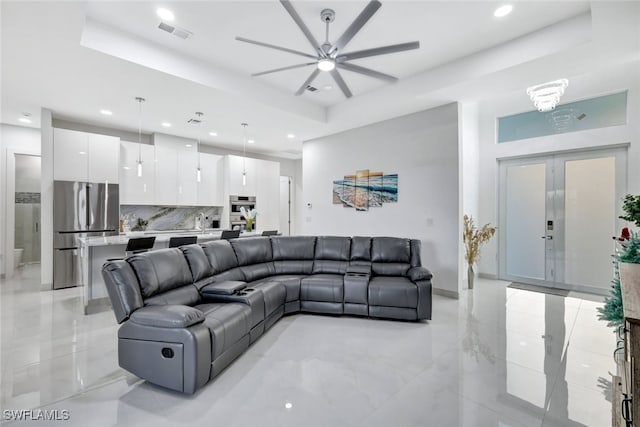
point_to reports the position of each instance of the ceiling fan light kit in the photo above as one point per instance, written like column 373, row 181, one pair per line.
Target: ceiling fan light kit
column 329, row 57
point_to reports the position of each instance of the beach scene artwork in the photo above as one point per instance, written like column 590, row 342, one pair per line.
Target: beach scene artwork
column 365, row 190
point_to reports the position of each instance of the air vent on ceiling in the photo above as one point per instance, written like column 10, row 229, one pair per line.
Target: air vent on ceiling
column 581, row 116
column 194, row 121
column 176, row 31
column 311, row 88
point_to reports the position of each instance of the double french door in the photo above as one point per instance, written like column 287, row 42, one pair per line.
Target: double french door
column 557, row 216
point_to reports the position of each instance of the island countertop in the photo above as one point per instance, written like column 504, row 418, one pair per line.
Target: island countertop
column 161, row 236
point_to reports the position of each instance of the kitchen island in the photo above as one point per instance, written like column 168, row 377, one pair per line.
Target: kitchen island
column 95, row 251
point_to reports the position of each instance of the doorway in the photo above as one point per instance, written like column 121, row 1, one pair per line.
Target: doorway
column 557, row 216
column 285, row 205
column 26, row 210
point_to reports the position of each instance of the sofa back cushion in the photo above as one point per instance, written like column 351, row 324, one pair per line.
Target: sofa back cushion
column 390, row 256
column 360, row 248
column 220, row 255
column 160, row 271
column 255, row 257
column 123, row 289
column 293, row 254
column 197, row 260
column 331, row 255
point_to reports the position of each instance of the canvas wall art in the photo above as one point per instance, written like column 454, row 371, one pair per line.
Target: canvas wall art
column 365, row 190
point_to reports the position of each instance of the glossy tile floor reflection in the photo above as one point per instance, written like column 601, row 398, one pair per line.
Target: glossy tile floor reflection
column 495, row 357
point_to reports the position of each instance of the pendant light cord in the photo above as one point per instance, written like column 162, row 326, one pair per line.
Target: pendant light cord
column 140, row 101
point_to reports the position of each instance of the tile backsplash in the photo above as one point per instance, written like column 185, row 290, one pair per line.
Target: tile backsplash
column 161, row 218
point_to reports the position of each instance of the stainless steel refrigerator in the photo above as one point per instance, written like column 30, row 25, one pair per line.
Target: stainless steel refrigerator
column 80, row 209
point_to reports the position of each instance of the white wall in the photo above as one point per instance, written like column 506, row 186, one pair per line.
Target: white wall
column 580, row 87
column 13, row 139
column 422, row 148
column 469, row 191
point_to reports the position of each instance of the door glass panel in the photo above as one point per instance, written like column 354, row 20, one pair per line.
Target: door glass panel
column 589, row 221
column 525, row 220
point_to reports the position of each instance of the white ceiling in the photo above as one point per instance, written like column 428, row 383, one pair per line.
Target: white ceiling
column 77, row 58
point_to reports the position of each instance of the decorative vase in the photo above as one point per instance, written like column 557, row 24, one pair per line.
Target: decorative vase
column 471, row 275
column 248, row 224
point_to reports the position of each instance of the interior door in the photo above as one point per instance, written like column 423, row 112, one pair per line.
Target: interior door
column 557, row 216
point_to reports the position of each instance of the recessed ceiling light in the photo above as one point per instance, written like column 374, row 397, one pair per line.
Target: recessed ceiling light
column 251, row 141
column 213, row 133
column 290, row 136
column 188, row 145
column 166, row 124
column 503, row 10
column 126, row 168
column 82, row 152
column 106, row 112
column 165, row 14
column 327, row 87
column 24, row 120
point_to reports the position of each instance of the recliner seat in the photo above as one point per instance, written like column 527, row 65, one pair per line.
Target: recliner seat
column 188, row 312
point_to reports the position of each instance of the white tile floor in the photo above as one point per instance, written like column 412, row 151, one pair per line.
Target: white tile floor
column 495, row 357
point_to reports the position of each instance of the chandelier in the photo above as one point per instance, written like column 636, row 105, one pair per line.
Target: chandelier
column 546, row 96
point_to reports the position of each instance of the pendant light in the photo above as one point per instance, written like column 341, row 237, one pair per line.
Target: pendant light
column 198, row 172
column 244, row 153
column 139, row 162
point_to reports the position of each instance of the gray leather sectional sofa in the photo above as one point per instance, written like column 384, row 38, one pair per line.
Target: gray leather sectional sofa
column 188, row 312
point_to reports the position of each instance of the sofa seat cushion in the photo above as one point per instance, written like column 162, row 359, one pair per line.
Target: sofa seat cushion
column 274, row 295
column 393, row 291
column 228, row 324
column 322, row 288
column 291, row 284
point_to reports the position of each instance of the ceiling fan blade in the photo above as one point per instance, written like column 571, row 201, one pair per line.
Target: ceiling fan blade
column 290, row 67
column 384, row 50
column 340, row 81
column 294, row 15
column 284, row 49
column 366, row 71
column 307, row 82
column 356, row 25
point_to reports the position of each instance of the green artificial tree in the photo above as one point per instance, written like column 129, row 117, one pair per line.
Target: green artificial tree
column 612, row 311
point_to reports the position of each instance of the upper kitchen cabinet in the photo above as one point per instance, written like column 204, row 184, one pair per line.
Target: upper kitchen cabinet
column 82, row 156
column 187, row 169
column 211, row 179
column 235, row 166
column 134, row 189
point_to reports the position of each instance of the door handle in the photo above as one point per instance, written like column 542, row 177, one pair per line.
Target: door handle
column 547, row 237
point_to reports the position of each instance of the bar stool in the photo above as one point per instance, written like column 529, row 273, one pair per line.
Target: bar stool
column 230, row 234
column 137, row 245
column 175, row 242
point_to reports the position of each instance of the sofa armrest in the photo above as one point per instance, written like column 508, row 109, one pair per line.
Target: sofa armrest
column 167, row 316
column 359, row 269
column 419, row 273
column 227, row 287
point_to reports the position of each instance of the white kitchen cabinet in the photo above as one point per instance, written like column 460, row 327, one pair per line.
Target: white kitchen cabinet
column 263, row 182
column 235, row 166
column 134, row 189
column 104, row 153
column 166, row 176
column 187, row 188
column 82, row 156
column 211, row 180
column 268, row 194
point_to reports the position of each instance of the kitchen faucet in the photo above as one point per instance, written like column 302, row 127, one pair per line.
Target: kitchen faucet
column 202, row 219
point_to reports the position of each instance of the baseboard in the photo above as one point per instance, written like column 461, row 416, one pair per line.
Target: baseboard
column 46, row 286
column 487, row 276
column 97, row 305
column 446, row 293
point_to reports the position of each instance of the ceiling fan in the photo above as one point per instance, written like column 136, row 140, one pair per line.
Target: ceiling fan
column 329, row 57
